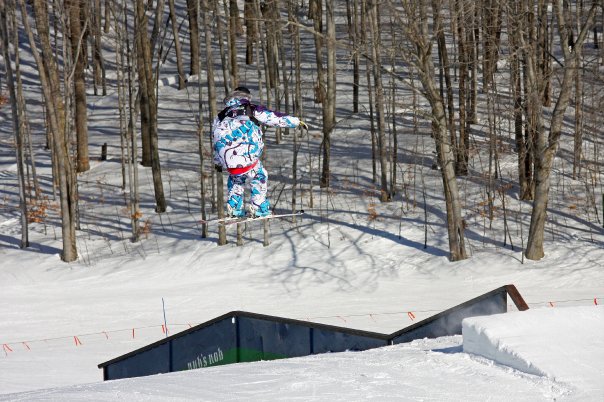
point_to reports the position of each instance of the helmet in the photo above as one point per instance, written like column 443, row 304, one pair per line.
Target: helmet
column 238, row 94
column 243, row 89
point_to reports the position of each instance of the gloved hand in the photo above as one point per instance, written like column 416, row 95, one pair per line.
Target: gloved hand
column 218, row 168
column 303, row 125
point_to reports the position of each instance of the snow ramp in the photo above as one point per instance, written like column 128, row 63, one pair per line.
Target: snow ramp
column 241, row 336
column 538, row 342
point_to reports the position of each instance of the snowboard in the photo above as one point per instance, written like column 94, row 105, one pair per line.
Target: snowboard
column 245, row 219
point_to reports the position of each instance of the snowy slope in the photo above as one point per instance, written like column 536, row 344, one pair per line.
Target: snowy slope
column 351, row 261
column 565, row 344
column 438, row 369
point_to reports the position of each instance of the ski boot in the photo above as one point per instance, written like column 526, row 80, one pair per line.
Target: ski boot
column 257, row 211
column 234, row 207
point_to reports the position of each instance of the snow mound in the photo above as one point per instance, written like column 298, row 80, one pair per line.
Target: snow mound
column 425, row 369
column 564, row 344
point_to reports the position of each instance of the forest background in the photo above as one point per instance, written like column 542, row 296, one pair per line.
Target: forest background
column 453, row 148
column 489, row 82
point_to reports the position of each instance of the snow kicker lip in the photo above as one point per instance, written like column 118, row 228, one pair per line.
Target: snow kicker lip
column 240, row 336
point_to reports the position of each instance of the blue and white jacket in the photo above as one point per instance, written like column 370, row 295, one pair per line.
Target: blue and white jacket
column 237, row 140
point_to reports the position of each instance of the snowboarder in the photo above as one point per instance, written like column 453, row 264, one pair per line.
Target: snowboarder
column 238, row 145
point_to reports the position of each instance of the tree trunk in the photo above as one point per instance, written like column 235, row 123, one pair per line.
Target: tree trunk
column 49, row 78
column 222, row 240
column 533, row 101
column 251, row 36
column 97, row 51
column 124, row 74
column 192, row 13
column 372, row 131
column 329, row 103
column 515, row 30
column 472, row 41
column 491, row 35
column 543, row 53
column 273, row 37
column 150, row 80
column 285, row 80
column 179, row 67
column 23, row 119
column 315, row 12
column 226, row 65
column 107, row 15
column 315, row 9
column 353, row 33
column 578, row 137
column 261, row 56
column 140, row 33
column 445, row 68
column 418, row 33
column 295, row 37
column 200, row 137
column 547, row 146
column 374, row 28
column 394, row 132
column 77, row 24
column 234, row 32
column 19, row 149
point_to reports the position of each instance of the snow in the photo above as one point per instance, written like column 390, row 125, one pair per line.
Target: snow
column 421, row 370
column 564, row 344
column 341, row 264
column 44, row 303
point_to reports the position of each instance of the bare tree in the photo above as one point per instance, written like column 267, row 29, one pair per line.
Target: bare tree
column 179, row 66
column 368, row 69
column 193, row 15
column 127, row 113
column 292, row 8
column 491, row 34
column 462, row 149
column 444, row 68
column 108, row 11
column 578, row 103
column 374, row 29
column 98, row 62
column 51, row 86
column 30, row 159
column 143, row 100
column 77, row 29
column 472, row 40
column 222, row 240
column 219, row 29
column 415, row 25
column 543, row 52
column 200, row 137
column 19, row 150
column 234, row 29
column 272, row 52
column 547, row 144
column 315, row 12
column 251, row 34
column 147, row 81
column 352, row 15
column 329, row 103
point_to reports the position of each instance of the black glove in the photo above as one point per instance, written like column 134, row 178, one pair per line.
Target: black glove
column 303, row 125
column 218, row 168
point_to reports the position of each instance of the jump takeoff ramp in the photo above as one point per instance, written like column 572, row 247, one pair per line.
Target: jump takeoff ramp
column 240, row 336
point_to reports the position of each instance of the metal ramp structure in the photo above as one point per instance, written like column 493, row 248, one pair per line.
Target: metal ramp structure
column 240, row 336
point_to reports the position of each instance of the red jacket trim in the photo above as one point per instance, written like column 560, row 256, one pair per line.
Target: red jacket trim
column 242, row 170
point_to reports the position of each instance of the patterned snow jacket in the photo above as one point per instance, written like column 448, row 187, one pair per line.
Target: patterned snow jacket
column 237, row 137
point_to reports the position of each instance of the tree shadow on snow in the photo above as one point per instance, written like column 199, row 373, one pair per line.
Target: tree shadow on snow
column 13, row 242
column 376, row 232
